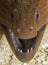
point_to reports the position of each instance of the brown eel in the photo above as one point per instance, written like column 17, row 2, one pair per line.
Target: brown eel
column 23, row 22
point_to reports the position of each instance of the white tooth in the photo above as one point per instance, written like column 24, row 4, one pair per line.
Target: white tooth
column 21, row 51
column 31, row 49
column 28, row 50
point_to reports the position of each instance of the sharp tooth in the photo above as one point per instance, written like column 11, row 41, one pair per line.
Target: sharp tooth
column 21, row 51
column 27, row 50
column 31, row 49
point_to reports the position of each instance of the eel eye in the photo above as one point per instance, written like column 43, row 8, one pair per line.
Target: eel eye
column 37, row 14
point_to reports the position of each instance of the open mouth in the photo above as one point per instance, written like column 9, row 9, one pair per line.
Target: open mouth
column 25, row 49
column 25, row 45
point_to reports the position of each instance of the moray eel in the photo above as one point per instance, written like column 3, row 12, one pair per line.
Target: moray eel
column 23, row 22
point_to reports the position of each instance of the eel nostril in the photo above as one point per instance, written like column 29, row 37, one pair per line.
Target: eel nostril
column 31, row 28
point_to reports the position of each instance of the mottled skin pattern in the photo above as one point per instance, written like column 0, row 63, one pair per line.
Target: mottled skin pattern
column 23, row 22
